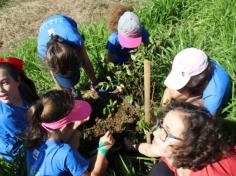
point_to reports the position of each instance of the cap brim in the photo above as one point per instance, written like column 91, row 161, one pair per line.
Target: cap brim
column 175, row 81
column 80, row 111
column 129, row 42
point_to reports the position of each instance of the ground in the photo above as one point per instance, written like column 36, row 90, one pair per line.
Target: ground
column 21, row 19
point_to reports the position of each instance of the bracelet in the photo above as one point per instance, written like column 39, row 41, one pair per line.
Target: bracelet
column 103, row 151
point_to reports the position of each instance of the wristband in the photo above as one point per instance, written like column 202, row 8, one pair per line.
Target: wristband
column 103, row 151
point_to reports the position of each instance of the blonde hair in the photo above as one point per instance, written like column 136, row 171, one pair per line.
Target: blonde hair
column 116, row 12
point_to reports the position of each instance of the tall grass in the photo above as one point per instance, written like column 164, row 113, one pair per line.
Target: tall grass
column 173, row 26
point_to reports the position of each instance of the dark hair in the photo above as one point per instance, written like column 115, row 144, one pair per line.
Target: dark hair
column 208, row 75
column 116, row 12
column 27, row 88
column 51, row 106
column 203, row 141
column 61, row 56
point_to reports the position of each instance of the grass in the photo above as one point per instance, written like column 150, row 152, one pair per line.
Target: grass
column 173, row 26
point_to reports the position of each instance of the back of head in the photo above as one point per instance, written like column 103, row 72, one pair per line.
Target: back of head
column 51, row 106
column 203, row 141
column 61, row 56
column 116, row 12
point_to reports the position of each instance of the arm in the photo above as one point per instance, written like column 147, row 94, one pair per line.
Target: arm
column 54, row 79
column 143, row 148
column 179, row 95
column 87, row 64
column 101, row 162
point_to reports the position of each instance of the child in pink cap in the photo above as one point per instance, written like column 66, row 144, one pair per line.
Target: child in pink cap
column 127, row 34
column 50, row 119
column 196, row 78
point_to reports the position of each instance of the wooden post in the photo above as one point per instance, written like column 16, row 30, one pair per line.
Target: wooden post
column 147, row 90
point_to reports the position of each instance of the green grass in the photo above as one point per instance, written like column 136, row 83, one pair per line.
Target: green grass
column 173, row 25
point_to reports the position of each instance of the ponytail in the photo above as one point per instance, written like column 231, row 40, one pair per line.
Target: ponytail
column 35, row 134
column 27, row 88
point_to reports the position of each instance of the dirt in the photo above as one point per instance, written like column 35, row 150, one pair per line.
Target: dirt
column 20, row 20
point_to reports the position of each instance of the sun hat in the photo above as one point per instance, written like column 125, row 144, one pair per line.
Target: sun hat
column 187, row 63
column 80, row 111
column 129, row 30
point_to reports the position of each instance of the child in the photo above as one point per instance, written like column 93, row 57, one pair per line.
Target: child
column 61, row 47
column 190, row 141
column 126, row 34
column 17, row 92
column 198, row 79
column 47, row 155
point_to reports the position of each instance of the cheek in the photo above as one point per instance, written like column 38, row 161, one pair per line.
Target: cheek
column 160, row 148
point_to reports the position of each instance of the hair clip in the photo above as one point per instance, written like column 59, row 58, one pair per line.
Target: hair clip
column 18, row 63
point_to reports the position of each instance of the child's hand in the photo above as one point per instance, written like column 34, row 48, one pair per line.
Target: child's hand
column 108, row 140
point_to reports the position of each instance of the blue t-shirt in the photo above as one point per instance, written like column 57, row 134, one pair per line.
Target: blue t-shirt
column 13, row 122
column 218, row 91
column 120, row 54
column 63, row 26
column 55, row 158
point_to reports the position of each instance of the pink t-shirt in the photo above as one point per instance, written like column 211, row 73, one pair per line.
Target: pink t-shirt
column 225, row 167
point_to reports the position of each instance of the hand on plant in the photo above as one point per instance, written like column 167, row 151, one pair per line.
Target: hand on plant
column 108, row 140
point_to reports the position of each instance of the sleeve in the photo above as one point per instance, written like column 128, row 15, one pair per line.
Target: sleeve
column 112, row 42
column 145, row 35
column 212, row 103
column 75, row 163
column 10, row 125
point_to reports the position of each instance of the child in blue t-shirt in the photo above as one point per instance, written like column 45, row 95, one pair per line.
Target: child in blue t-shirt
column 196, row 78
column 47, row 154
column 17, row 92
column 61, row 47
column 126, row 35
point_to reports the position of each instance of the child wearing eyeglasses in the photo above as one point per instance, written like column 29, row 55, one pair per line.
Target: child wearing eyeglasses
column 17, row 93
column 190, row 142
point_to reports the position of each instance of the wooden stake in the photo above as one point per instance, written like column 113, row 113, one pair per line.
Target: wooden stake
column 147, row 90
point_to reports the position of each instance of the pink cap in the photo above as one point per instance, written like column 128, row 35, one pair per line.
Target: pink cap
column 80, row 111
column 129, row 30
column 187, row 63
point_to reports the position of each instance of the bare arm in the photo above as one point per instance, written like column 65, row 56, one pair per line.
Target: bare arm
column 146, row 149
column 101, row 162
column 169, row 94
column 87, row 64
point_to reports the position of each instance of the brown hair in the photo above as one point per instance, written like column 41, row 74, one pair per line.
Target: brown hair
column 51, row 106
column 61, row 56
column 116, row 12
column 27, row 87
column 203, row 141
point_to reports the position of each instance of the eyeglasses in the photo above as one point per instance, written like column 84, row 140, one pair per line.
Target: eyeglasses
column 164, row 136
